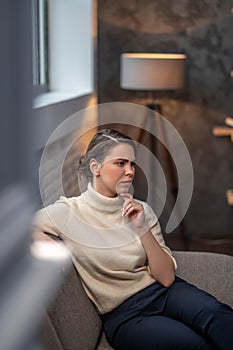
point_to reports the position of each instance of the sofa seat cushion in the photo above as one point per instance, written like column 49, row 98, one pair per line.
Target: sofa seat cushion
column 103, row 343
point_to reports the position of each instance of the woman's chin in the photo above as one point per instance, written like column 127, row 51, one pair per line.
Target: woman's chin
column 123, row 188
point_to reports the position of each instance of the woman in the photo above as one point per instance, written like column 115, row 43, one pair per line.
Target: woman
column 126, row 269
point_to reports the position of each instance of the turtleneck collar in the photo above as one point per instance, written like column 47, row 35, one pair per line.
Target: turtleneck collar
column 100, row 202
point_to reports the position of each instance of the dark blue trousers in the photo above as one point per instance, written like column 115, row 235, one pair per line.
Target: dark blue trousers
column 181, row 316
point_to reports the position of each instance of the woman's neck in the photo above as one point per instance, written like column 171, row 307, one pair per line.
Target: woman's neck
column 102, row 190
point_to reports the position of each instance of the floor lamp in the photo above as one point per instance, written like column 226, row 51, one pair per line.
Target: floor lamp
column 155, row 72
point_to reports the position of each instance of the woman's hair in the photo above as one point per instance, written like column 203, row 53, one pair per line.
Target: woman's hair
column 99, row 147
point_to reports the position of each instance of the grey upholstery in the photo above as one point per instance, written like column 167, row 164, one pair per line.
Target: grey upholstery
column 72, row 319
column 209, row 271
column 73, row 324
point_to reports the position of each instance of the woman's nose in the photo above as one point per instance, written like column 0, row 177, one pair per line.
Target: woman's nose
column 129, row 169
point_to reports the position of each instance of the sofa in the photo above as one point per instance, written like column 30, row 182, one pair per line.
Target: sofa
column 72, row 323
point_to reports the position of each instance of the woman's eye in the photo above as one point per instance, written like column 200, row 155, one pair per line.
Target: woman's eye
column 121, row 163
column 133, row 164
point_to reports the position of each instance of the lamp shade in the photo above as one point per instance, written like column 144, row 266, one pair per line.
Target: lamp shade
column 152, row 71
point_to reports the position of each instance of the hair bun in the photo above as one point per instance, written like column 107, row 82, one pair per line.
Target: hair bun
column 81, row 160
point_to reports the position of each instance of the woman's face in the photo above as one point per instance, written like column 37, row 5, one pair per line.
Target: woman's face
column 116, row 172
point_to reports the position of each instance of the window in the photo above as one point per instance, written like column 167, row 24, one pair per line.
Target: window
column 63, row 50
column 40, row 44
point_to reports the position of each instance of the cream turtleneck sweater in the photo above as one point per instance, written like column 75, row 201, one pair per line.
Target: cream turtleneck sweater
column 106, row 251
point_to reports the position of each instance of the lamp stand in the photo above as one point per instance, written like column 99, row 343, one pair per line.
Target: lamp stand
column 155, row 107
column 167, row 164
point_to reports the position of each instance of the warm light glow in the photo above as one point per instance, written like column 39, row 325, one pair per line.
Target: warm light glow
column 45, row 250
column 163, row 56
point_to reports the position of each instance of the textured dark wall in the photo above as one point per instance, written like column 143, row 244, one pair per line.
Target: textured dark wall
column 202, row 29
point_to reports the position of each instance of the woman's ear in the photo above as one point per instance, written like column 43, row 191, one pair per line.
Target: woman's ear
column 94, row 167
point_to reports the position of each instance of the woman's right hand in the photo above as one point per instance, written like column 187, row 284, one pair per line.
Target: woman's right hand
column 135, row 213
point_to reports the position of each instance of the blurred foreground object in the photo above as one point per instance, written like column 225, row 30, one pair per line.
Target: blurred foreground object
column 29, row 274
column 27, row 282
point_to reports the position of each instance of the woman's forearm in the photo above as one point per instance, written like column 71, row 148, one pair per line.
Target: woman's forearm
column 160, row 263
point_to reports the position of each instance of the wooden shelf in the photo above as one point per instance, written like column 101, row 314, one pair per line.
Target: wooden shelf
column 223, row 131
column 229, row 121
column 226, row 131
column 229, row 195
